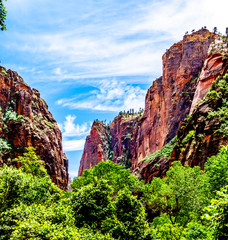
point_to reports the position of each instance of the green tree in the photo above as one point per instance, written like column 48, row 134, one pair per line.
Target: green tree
column 217, row 214
column 31, row 163
column 129, row 220
column 182, row 195
column 3, row 13
column 19, row 187
column 216, row 168
column 92, row 204
column 117, row 177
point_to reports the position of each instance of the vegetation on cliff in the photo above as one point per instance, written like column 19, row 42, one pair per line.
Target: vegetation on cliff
column 108, row 202
column 3, row 13
column 204, row 132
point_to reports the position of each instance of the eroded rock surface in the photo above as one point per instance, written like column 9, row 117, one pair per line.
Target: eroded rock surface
column 96, row 147
column 169, row 98
column 26, row 122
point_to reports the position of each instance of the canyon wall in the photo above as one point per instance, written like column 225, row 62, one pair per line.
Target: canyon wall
column 169, row 98
column 167, row 103
column 26, row 122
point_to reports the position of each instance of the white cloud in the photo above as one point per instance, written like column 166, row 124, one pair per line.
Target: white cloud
column 111, row 95
column 73, row 145
column 106, row 39
column 70, row 129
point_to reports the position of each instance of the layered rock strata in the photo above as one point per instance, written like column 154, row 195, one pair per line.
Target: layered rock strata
column 26, row 122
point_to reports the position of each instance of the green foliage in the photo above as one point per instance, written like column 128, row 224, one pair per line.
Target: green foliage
column 117, row 176
column 37, row 222
column 92, row 204
column 101, row 203
column 187, row 192
column 219, row 90
column 182, row 195
column 163, row 152
column 108, row 202
column 217, row 214
column 3, row 13
column 18, row 187
column 128, row 221
column 4, row 146
column 188, row 137
column 216, row 168
column 11, row 115
column 31, row 163
column 49, row 124
column 4, row 72
column 163, row 229
column 212, row 94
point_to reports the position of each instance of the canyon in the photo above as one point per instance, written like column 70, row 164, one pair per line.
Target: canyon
column 189, row 69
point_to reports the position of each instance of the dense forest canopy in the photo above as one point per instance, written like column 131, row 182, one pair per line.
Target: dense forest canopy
column 108, row 202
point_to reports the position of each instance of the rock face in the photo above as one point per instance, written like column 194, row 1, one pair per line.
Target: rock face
column 24, row 122
column 214, row 65
column 116, row 142
column 167, row 102
column 211, row 69
column 96, row 147
column 206, row 130
column 169, row 98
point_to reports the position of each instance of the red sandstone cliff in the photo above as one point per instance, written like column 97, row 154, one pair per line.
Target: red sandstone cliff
column 167, row 102
column 214, row 65
column 116, row 142
column 96, row 147
column 169, row 98
column 25, row 121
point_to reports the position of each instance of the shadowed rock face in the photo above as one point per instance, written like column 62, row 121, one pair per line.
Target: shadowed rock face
column 205, row 131
column 167, row 102
column 24, row 122
column 123, row 132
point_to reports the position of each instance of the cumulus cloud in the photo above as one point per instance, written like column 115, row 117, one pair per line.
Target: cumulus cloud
column 74, row 134
column 110, row 95
column 70, row 129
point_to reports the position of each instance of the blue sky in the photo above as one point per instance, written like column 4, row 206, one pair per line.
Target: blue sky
column 91, row 59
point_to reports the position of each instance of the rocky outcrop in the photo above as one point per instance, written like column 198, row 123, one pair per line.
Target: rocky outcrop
column 96, row 147
column 167, row 103
column 116, row 142
column 214, row 65
column 123, row 132
column 148, row 170
column 24, row 122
